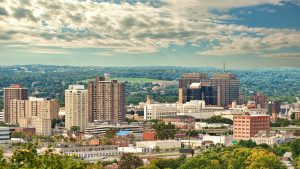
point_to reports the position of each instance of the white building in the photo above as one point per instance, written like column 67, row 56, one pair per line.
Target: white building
column 161, row 144
column 4, row 134
column 76, row 107
column 158, row 111
column 272, row 137
column 195, row 108
column 1, row 116
column 223, row 139
column 132, row 149
column 200, row 125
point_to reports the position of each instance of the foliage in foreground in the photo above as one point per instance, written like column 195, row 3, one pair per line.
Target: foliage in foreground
column 27, row 158
column 229, row 158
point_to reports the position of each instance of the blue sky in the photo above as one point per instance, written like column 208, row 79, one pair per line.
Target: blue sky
column 244, row 34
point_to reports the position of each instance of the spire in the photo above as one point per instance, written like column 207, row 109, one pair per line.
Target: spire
column 224, row 66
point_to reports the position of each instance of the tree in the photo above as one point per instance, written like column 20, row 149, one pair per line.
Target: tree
column 295, row 147
column 75, row 129
column 110, row 133
column 247, row 143
column 129, row 161
column 164, row 131
column 17, row 135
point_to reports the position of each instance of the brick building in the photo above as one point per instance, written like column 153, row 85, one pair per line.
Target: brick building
column 246, row 126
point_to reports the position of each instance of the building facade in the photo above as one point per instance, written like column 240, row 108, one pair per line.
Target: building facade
column 76, row 107
column 247, row 126
column 106, row 100
column 34, row 107
column 227, row 87
column 15, row 91
column 184, row 83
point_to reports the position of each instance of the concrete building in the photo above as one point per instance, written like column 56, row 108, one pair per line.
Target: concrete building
column 161, row 144
column 101, row 128
column 1, row 116
column 158, row 111
column 15, row 91
column 227, row 86
column 106, row 100
column 76, row 107
column 223, row 139
column 87, row 152
column 247, row 126
column 272, row 137
column 4, row 135
column 38, row 107
column 26, row 131
column 131, row 149
column 184, row 84
column 42, row 126
column 197, row 109
column 180, row 121
column 194, row 108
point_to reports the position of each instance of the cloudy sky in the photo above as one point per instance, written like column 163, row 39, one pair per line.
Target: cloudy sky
column 243, row 33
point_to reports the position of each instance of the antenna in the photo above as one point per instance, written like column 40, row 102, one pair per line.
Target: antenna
column 224, row 66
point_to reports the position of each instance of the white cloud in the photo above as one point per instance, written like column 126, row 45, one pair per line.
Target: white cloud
column 135, row 28
column 282, row 55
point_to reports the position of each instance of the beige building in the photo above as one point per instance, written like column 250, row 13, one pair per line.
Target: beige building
column 42, row 126
column 15, row 91
column 76, row 107
column 34, row 107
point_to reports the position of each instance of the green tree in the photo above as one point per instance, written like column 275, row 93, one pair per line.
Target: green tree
column 164, row 131
column 129, row 161
column 75, row 129
column 295, row 147
column 247, row 143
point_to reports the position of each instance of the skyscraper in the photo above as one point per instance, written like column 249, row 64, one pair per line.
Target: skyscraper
column 202, row 91
column 184, row 84
column 227, row 86
column 76, row 107
column 106, row 100
column 15, row 91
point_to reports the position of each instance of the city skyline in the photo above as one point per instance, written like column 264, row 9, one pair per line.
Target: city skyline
column 244, row 34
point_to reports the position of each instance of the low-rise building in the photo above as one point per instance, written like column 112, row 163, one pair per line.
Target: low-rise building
column 272, row 137
column 181, row 121
column 201, row 125
column 26, row 131
column 132, row 149
column 149, row 135
column 92, row 151
column 42, row 126
column 161, row 144
column 4, row 135
column 223, row 139
column 101, row 128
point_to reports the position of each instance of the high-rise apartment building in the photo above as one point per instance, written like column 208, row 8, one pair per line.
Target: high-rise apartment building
column 227, row 86
column 76, row 107
column 184, row 84
column 246, row 126
column 15, row 91
column 34, row 107
column 106, row 100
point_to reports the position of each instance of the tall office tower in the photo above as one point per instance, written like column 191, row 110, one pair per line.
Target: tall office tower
column 15, row 91
column 185, row 81
column 202, row 91
column 42, row 108
column 227, row 86
column 76, row 107
column 106, row 100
